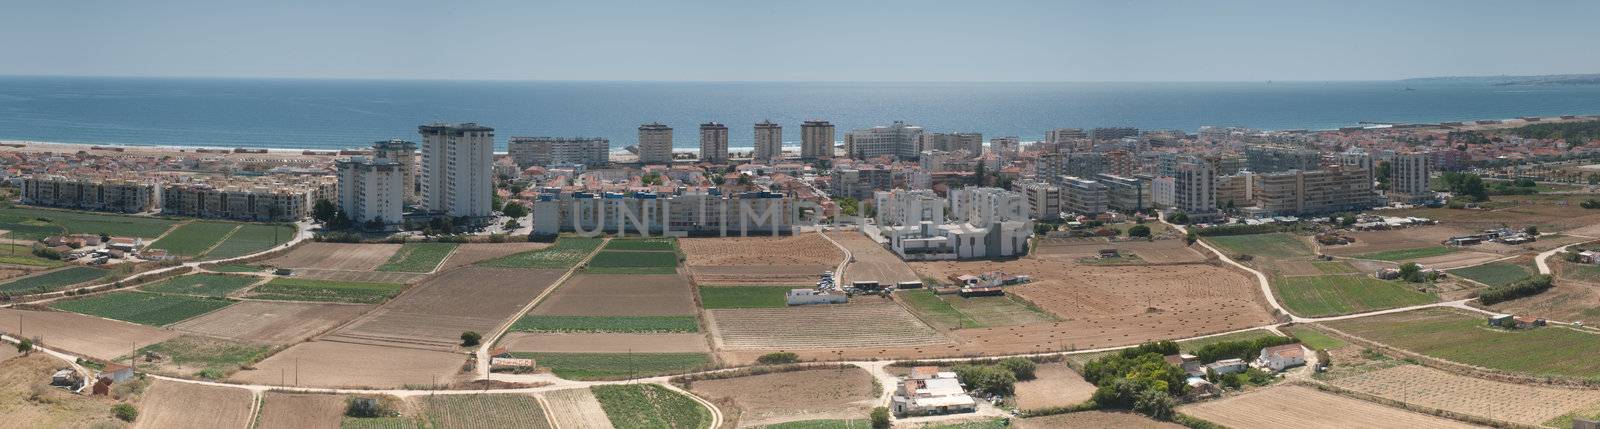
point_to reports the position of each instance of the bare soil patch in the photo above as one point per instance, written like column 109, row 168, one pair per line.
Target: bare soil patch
column 85, row 335
column 272, row 322
column 336, row 364
column 792, row 396
column 336, row 256
column 299, row 410
column 182, row 405
column 1160, row 251
column 1434, row 388
column 433, row 314
column 58, row 407
column 620, row 295
column 867, row 323
column 1056, row 386
column 604, row 343
column 577, row 409
column 1307, row 408
column 1458, row 259
column 800, row 249
column 760, row 274
column 1070, row 248
column 1570, row 299
column 1094, row 419
column 359, row 276
column 472, row 253
column 1396, row 239
column 872, row 262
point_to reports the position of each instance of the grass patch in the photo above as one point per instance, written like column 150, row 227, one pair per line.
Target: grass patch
column 998, row 310
column 616, row 366
column 35, row 222
column 1334, row 267
column 194, row 238
column 649, row 406
column 1315, row 339
column 235, row 268
column 608, row 259
column 1494, row 273
column 17, row 254
column 822, row 424
column 563, row 255
column 621, row 324
column 1312, row 296
column 215, row 285
column 648, row 244
column 1459, row 337
column 1408, row 254
column 1277, row 245
column 285, row 289
column 980, row 424
column 144, row 308
column 379, row 423
column 52, row 280
column 219, row 355
column 252, row 238
column 418, row 257
column 483, row 411
column 713, row 297
column 936, row 311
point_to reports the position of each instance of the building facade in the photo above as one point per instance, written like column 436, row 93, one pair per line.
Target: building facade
column 1237, row 190
column 983, row 223
column 655, row 143
column 1195, row 187
column 1044, row 199
column 972, row 143
column 1408, row 176
column 1332, row 189
column 769, row 141
column 816, row 140
column 371, row 190
column 1083, row 196
column 111, row 195
column 457, row 161
column 546, row 151
column 714, row 143
column 403, row 153
column 682, row 214
column 253, row 203
column 1128, row 193
column 1272, row 159
column 898, row 140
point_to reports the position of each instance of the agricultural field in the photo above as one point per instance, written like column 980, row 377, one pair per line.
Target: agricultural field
column 1313, row 296
column 744, row 296
column 1307, row 408
column 1459, row 337
column 251, row 238
column 1399, row 255
column 52, row 280
column 1056, row 386
column 567, row 251
column 822, row 424
column 483, row 411
column 767, row 399
column 418, row 257
column 291, row 289
column 435, row 313
column 194, row 238
column 796, row 259
column 194, row 355
column 170, row 404
column 336, row 256
column 1334, row 267
column 649, row 406
column 935, row 310
column 272, row 322
column 336, row 364
column 601, row 342
column 25, row 407
column 797, row 328
column 235, row 268
column 392, row 277
column 1094, row 419
column 1551, row 213
column 1495, row 273
column 1428, row 387
column 472, row 253
column 617, row 366
column 632, row 262
column 615, row 324
column 18, row 254
column 955, row 312
column 642, row 244
column 281, row 410
column 142, row 307
column 211, row 285
column 620, row 295
column 1277, row 245
column 84, row 335
column 34, row 224
column 576, row 409
column 872, row 262
column 1315, row 339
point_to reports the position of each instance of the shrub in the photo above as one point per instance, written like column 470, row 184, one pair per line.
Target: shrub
column 1022, row 368
column 992, row 379
column 1139, row 231
column 1154, row 403
column 1526, row 287
column 1242, row 349
column 357, row 406
column 778, row 358
column 1180, row 218
column 212, row 374
column 25, row 346
column 880, row 418
column 1590, row 204
column 1190, row 238
column 125, row 412
column 470, row 338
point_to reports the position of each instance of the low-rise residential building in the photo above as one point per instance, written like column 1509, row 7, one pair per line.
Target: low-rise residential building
column 112, row 195
column 1276, row 358
column 928, row 391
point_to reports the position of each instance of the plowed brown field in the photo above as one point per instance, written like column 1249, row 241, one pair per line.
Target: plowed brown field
column 336, row 256
column 272, row 322
column 620, row 295
column 174, row 405
column 433, row 315
column 1307, row 408
column 90, row 336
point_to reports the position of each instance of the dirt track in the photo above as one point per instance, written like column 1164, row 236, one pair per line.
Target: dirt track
column 872, row 261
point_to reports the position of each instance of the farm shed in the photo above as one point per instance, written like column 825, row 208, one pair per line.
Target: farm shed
column 804, row 296
column 1228, row 366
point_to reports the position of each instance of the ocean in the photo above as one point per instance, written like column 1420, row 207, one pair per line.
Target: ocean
column 332, row 114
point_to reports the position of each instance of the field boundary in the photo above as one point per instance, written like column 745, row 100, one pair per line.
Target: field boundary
column 1468, row 370
column 481, row 356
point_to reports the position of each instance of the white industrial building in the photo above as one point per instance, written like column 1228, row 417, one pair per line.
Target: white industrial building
column 457, row 160
column 983, row 223
column 372, row 190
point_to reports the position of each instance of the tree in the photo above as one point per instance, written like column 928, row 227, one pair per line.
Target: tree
column 495, row 203
column 1411, row 272
column 1178, row 217
column 1190, row 238
column 25, row 346
column 324, row 211
column 1139, row 231
column 1154, row 403
column 514, row 210
column 776, row 358
column 1022, row 368
column 125, row 412
column 880, row 418
column 470, row 338
column 991, row 379
column 1531, row 230
column 375, row 224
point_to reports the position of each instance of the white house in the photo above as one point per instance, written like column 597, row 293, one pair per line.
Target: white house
column 1277, row 358
column 922, row 394
column 1228, row 366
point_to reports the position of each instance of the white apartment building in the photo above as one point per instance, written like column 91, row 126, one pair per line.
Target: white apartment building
column 971, row 143
column 404, row 153
column 547, row 151
column 898, row 140
column 113, row 195
column 983, row 223
column 1006, row 147
column 372, row 189
column 457, row 160
column 1408, row 176
column 769, row 141
column 1044, row 199
column 1163, row 192
column 655, row 143
column 1195, row 188
column 909, row 207
column 816, row 140
column 683, row 214
column 713, row 143
column 1083, row 196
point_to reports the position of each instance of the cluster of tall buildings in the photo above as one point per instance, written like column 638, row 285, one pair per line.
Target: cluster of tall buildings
column 451, row 177
column 981, row 223
column 816, row 142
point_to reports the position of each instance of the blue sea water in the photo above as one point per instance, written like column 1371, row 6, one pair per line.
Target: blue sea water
column 290, row 113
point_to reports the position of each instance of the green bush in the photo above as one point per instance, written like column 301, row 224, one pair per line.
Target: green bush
column 1244, row 349
column 778, row 358
column 1526, row 287
column 1139, row 231
column 1022, row 368
column 470, row 338
column 992, row 379
column 880, row 418
column 125, row 412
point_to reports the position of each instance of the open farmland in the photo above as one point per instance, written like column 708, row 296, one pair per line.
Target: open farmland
column 1575, row 296
column 1307, row 408
column 871, row 261
column 744, row 296
column 796, row 259
column 576, row 409
column 817, row 394
column 89, row 336
column 271, row 322
column 169, row 404
column 1276, row 245
column 483, row 411
column 191, row 354
column 956, row 312
column 602, row 342
column 619, row 295
column 1314, row 296
column 1428, row 387
column 642, row 244
column 1459, row 337
column 336, row 256
column 281, row 410
column 212, row 285
column 632, row 262
column 1160, row 251
column 142, row 307
column 1495, row 273
column 435, row 313
column 26, row 406
column 1399, row 255
column 335, row 364
column 567, row 251
column 1056, row 386
column 1551, row 213
column 52, row 280
column 862, row 323
column 649, row 406
column 20, row 254
column 77, row 222
column 618, row 324
column 251, row 238
column 418, row 257
column 27, row 228
column 472, row 253
column 617, row 366
column 194, row 238
column 289, row 289
column 394, row 277
column 1094, row 419
column 1397, row 239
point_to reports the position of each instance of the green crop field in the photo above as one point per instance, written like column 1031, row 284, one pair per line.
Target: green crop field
column 194, row 238
column 744, row 296
column 252, row 238
column 286, row 289
column 144, row 308
column 936, row 311
column 648, row 406
column 822, row 424
column 236, row 268
column 1276, row 245
column 998, row 310
column 621, row 324
column 1334, row 267
column 1494, row 273
column 379, row 423
column 567, row 251
column 1314, row 338
column 418, row 257
column 633, row 262
column 223, row 356
column 650, row 244
column 977, row 424
column 1460, row 337
column 37, row 221
column 1408, row 254
column 18, row 254
column 216, row 285
column 1312, row 296
column 483, row 411
column 52, row 280
column 617, row 366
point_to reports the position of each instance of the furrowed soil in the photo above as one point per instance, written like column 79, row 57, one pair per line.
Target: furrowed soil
column 1094, row 419
column 791, row 396
column 1307, row 408
column 797, row 259
column 272, row 322
column 577, row 409
column 89, row 336
column 472, row 253
column 336, row 256
column 604, row 343
column 866, row 322
column 334, row 364
column 433, row 315
column 620, row 295
column 872, row 261
column 300, row 410
column 170, row 404
column 1415, row 384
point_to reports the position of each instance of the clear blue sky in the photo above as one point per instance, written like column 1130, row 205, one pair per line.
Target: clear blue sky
column 810, row 40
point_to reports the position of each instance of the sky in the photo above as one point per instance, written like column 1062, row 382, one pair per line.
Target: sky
column 812, row 40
